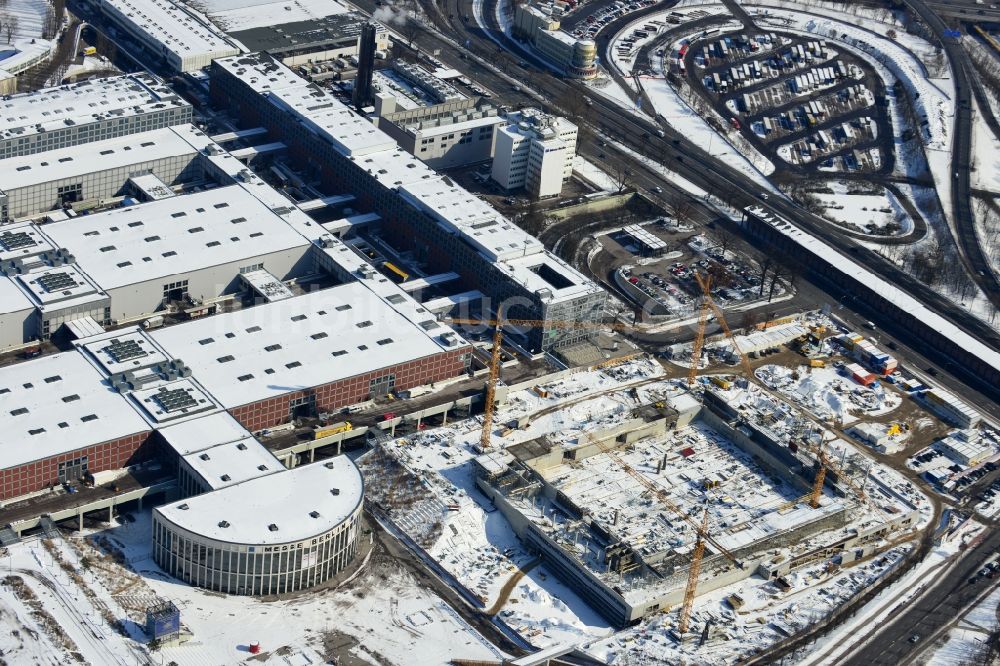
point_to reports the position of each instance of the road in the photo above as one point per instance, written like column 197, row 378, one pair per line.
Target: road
column 986, row 11
column 677, row 152
column 962, row 74
column 945, row 601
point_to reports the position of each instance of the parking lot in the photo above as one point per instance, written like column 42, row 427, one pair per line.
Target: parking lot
column 666, row 285
column 796, row 99
column 592, row 23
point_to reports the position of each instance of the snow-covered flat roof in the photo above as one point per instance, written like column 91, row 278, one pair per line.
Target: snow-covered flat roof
column 333, row 121
column 245, row 15
column 267, row 285
column 173, row 26
column 56, row 404
column 152, row 186
column 260, row 72
column 82, row 103
column 55, row 284
column 544, row 271
column 286, row 507
column 298, row 343
column 430, row 129
column 12, row 299
column 123, row 350
column 87, row 158
column 84, row 327
column 203, row 433
column 230, row 463
column 394, row 168
column 891, row 293
column 174, row 236
column 163, row 403
column 60, row 288
column 481, row 225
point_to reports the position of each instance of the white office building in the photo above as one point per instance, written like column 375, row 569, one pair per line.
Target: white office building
column 92, row 110
column 534, row 151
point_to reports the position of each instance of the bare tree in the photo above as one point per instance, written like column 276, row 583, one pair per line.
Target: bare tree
column 10, row 27
column 410, row 28
column 51, row 26
column 106, row 47
column 574, row 105
column 683, row 209
column 621, row 176
column 725, row 240
column 927, row 265
column 777, row 274
column 720, row 276
column 764, row 263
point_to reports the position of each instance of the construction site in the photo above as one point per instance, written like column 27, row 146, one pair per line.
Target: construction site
column 690, row 495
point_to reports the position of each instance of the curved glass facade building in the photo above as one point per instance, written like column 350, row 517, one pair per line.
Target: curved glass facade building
column 278, row 533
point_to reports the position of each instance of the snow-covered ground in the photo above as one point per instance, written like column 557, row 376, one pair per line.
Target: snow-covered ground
column 382, row 611
column 828, row 394
column 831, row 648
column 970, row 634
column 593, row 174
column 986, row 176
column 30, row 17
column 25, row 44
column 90, row 65
column 865, row 213
column 606, row 86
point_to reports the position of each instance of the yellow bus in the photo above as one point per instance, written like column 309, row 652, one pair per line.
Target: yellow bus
column 396, row 273
column 89, row 50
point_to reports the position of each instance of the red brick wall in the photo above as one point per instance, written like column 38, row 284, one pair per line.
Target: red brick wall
column 274, row 411
column 40, row 474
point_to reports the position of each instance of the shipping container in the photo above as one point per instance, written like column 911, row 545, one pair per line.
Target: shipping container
column 861, row 376
column 721, row 382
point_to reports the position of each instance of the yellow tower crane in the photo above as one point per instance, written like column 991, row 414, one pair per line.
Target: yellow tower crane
column 494, row 365
column 817, row 490
column 695, row 569
column 707, row 304
column 701, row 528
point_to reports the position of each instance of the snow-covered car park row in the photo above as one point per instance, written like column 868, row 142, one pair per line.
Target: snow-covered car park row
column 594, row 22
column 805, row 115
column 735, row 50
column 826, row 142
